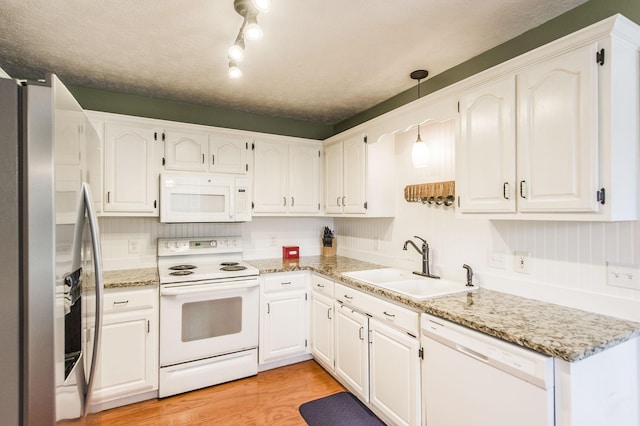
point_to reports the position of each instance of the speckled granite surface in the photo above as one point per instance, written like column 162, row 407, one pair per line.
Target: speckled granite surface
column 565, row 333
column 131, row 278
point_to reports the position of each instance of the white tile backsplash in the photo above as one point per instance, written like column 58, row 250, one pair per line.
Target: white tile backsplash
column 262, row 238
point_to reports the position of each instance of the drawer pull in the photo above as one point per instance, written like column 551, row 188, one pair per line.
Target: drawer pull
column 389, row 315
column 346, row 296
column 360, row 333
column 320, row 285
column 120, row 303
column 286, row 283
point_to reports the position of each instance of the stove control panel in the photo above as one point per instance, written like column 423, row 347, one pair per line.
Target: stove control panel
column 204, row 245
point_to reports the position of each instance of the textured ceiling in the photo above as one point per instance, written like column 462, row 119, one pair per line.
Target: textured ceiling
column 320, row 60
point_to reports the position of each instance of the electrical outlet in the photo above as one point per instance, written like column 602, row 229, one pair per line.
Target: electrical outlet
column 623, row 276
column 134, row 246
column 496, row 260
column 273, row 240
column 521, row 264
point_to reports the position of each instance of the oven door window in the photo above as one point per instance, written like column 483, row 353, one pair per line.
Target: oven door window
column 211, row 318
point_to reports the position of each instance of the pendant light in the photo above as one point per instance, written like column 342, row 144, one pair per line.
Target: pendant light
column 419, row 151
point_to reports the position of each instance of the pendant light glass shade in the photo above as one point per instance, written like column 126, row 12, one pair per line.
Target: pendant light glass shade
column 419, row 153
column 419, row 150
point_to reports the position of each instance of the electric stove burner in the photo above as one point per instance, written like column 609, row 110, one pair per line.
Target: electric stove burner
column 231, row 268
column 182, row 268
column 229, row 263
column 180, row 272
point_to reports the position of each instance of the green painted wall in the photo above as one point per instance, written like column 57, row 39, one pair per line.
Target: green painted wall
column 573, row 20
column 120, row 103
column 582, row 16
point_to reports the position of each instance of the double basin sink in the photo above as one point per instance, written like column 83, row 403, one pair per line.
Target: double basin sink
column 407, row 283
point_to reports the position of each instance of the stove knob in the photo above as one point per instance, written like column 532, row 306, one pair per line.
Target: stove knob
column 176, row 244
column 167, row 244
column 226, row 243
column 214, row 243
column 234, row 243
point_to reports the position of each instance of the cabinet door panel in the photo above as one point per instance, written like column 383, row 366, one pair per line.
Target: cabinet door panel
column 270, row 177
column 333, row 178
column 285, row 325
column 354, row 166
column 487, row 150
column 304, row 179
column 131, row 183
column 352, row 350
column 395, row 374
column 186, row 151
column 322, row 317
column 558, row 133
column 228, row 155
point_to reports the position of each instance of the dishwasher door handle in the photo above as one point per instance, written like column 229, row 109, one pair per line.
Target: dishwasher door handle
column 472, row 353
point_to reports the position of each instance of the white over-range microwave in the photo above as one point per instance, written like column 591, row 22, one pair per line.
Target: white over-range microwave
column 204, row 197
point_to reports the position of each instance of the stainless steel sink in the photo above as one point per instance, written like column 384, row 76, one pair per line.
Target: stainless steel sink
column 407, row 283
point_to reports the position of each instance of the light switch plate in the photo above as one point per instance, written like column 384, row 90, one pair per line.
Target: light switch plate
column 496, row 259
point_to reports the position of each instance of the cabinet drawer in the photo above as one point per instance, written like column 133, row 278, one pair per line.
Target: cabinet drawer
column 285, row 282
column 379, row 308
column 396, row 315
column 129, row 299
column 322, row 285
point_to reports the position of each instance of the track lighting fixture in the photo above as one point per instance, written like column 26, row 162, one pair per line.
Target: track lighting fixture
column 250, row 30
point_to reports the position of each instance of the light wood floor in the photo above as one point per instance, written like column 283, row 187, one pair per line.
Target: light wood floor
column 270, row 398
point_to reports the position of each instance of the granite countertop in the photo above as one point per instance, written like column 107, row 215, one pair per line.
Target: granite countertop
column 131, row 278
column 565, row 333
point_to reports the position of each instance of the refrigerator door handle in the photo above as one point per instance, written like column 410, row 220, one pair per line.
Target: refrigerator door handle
column 97, row 265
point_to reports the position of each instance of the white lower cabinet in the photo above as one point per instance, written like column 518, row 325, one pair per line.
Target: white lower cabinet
column 322, row 321
column 377, row 354
column 352, row 350
column 394, row 373
column 128, row 360
column 284, row 316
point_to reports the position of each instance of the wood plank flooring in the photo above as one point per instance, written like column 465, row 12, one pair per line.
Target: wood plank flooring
column 270, row 398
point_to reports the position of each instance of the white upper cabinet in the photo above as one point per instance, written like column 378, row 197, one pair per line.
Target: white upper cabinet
column 487, row 148
column 359, row 177
column 228, row 154
column 132, row 166
column 205, row 152
column 553, row 134
column 286, row 178
column 186, row 151
column 558, row 133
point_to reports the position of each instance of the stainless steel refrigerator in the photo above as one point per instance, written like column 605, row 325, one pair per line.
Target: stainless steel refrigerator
column 51, row 290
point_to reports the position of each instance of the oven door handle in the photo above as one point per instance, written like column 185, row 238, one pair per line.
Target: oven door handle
column 205, row 288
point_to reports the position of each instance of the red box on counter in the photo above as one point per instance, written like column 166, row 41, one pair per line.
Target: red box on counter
column 290, row 252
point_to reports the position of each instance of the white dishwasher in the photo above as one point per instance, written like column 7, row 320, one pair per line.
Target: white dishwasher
column 470, row 378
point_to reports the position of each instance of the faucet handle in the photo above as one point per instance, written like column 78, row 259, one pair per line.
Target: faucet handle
column 421, row 239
